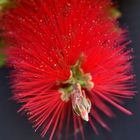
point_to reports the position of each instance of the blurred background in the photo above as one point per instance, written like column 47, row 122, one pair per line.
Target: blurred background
column 15, row 127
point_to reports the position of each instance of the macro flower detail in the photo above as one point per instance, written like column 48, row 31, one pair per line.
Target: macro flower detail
column 72, row 89
column 69, row 58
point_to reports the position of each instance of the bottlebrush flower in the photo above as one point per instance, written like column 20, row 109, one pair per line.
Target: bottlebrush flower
column 69, row 57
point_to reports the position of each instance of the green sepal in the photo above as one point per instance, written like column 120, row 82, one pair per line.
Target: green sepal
column 6, row 4
column 2, row 60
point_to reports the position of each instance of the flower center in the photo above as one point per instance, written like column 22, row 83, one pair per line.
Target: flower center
column 74, row 89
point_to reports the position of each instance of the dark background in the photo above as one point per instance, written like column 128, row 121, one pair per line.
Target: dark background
column 15, row 127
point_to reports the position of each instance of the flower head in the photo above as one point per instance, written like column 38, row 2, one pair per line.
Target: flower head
column 69, row 59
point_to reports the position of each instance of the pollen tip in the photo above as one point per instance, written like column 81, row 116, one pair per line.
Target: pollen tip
column 84, row 116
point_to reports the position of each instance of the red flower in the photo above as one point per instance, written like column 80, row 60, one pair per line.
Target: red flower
column 68, row 56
